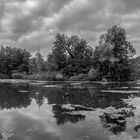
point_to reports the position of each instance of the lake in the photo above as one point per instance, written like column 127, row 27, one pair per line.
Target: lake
column 36, row 110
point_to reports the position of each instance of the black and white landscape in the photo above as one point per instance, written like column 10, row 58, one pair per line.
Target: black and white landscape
column 69, row 70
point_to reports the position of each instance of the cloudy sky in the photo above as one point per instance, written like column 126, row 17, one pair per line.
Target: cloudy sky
column 34, row 23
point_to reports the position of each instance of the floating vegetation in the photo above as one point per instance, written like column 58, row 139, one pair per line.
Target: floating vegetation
column 73, row 84
column 123, row 87
column 135, row 102
column 121, row 91
column 91, row 112
column 138, row 83
column 14, row 81
column 77, row 87
column 23, row 91
column 52, row 86
column 38, row 83
column 101, row 82
column 136, row 87
column 123, row 136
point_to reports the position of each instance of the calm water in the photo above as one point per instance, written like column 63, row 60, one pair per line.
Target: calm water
column 69, row 111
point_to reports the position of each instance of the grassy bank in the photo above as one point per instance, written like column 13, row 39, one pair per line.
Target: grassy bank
column 54, row 76
column 48, row 76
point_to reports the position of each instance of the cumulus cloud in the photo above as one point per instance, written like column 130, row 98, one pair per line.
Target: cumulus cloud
column 34, row 23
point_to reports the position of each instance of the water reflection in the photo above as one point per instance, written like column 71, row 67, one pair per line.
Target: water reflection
column 53, row 113
column 11, row 98
column 64, row 115
column 116, row 121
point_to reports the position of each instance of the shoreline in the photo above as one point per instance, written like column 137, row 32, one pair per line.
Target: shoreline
column 65, row 81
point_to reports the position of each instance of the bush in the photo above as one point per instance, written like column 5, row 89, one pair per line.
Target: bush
column 18, row 76
column 3, row 76
column 94, row 75
column 46, row 76
column 80, row 77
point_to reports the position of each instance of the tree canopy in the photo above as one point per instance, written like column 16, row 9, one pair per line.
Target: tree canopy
column 113, row 54
column 13, row 59
column 71, row 55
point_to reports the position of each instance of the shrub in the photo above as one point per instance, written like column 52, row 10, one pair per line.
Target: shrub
column 94, row 74
column 18, row 76
column 3, row 76
column 80, row 77
column 46, row 76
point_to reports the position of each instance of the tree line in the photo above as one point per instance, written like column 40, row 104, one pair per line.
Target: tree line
column 73, row 58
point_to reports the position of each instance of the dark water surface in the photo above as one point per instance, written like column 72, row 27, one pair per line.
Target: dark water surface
column 69, row 111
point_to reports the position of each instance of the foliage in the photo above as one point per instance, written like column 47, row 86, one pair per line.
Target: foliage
column 3, row 76
column 46, row 76
column 80, row 77
column 32, row 65
column 135, row 67
column 37, row 64
column 72, row 58
column 112, row 55
column 94, row 74
column 18, row 75
column 13, row 59
column 71, row 55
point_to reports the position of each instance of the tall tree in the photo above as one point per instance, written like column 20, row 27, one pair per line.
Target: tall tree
column 72, row 55
column 39, row 62
column 113, row 53
column 12, row 59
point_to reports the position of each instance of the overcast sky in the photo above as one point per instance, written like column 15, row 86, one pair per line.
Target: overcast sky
column 31, row 24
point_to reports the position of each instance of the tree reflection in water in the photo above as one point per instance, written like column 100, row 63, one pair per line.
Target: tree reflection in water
column 116, row 121
column 88, row 98
column 64, row 115
column 10, row 97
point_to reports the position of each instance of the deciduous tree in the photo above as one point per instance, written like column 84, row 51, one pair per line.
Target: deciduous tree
column 113, row 53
